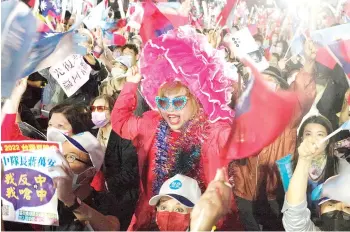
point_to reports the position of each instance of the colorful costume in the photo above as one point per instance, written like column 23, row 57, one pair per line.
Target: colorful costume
column 186, row 56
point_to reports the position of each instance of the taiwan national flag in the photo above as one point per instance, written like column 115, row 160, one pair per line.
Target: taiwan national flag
column 261, row 116
column 154, row 23
column 324, row 57
column 50, row 7
column 230, row 5
column 340, row 51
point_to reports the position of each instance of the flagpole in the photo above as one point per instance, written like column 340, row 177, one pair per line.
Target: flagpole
column 294, row 37
column 36, row 6
column 205, row 11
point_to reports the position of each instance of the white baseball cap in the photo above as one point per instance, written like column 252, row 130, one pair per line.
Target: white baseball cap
column 89, row 144
column 181, row 188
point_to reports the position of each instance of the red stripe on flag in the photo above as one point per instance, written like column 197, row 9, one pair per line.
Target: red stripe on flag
column 154, row 22
column 345, row 49
column 31, row 3
column 262, row 115
column 325, row 58
column 226, row 12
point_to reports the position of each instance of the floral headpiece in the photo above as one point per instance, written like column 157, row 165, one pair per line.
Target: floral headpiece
column 186, row 56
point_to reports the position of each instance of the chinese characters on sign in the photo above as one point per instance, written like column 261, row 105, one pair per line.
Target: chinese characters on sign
column 71, row 74
column 27, row 192
column 17, row 146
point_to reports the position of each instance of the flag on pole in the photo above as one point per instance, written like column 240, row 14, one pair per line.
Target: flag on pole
column 261, row 116
column 18, row 32
column 230, row 5
column 331, row 34
column 50, row 7
column 96, row 16
column 154, row 23
column 324, row 57
column 339, row 51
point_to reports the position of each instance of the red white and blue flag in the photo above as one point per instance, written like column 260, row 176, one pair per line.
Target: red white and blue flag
column 50, row 7
column 154, row 23
column 261, row 116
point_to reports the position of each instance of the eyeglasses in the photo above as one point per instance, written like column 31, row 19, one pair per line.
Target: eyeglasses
column 98, row 108
column 70, row 157
column 178, row 103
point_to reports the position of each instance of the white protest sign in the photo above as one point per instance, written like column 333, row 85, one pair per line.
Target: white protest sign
column 71, row 74
column 242, row 43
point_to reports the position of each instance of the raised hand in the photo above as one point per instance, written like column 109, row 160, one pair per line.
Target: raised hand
column 213, row 204
column 133, row 75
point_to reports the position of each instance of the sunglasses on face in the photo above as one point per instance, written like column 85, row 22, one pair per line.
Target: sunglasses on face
column 71, row 158
column 178, row 103
column 98, row 108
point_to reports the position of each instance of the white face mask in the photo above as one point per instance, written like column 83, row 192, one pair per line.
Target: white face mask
column 78, row 179
column 117, row 72
column 99, row 119
column 54, row 134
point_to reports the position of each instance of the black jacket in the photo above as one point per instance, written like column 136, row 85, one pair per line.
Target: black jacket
column 122, row 176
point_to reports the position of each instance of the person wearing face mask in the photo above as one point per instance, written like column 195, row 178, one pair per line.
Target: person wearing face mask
column 315, row 164
column 256, row 178
column 66, row 118
column 69, row 119
column 114, row 84
column 100, row 114
column 174, row 203
column 185, row 132
column 120, row 164
column 80, row 207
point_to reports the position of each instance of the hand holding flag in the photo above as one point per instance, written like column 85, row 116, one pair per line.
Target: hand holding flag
column 261, row 116
column 345, row 126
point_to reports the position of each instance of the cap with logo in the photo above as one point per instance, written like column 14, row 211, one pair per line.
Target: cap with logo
column 181, row 188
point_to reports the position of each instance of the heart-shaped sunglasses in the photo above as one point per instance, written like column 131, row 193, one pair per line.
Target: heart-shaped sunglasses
column 178, row 103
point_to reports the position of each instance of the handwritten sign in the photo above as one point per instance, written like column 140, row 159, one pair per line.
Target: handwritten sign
column 27, row 190
column 71, row 74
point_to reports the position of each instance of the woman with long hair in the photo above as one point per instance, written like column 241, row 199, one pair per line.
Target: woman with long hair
column 314, row 164
column 323, row 165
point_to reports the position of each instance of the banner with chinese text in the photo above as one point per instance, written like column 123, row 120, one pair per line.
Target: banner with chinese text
column 27, row 190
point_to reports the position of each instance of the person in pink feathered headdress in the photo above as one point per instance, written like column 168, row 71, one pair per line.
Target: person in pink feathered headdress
column 186, row 84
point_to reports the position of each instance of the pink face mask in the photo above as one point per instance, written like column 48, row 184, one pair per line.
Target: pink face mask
column 99, row 119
